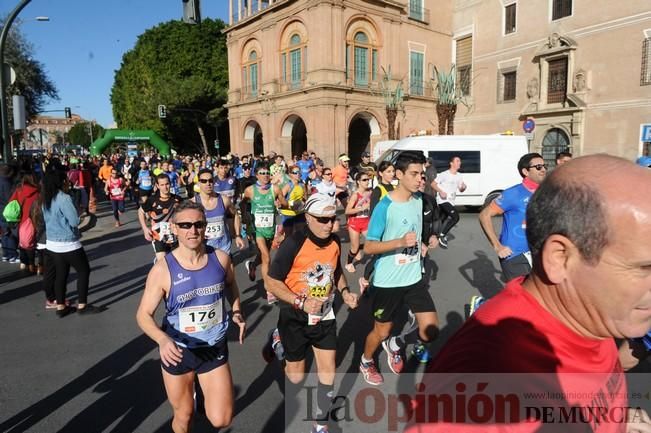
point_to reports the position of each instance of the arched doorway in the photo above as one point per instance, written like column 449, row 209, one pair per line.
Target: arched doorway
column 556, row 140
column 361, row 128
column 253, row 133
column 294, row 127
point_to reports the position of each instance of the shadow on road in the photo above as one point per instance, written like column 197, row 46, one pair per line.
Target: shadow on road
column 482, row 275
column 125, row 397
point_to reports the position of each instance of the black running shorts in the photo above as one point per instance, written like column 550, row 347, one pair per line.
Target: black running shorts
column 296, row 335
column 200, row 360
column 388, row 301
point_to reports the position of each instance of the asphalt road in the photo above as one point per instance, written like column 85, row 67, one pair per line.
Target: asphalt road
column 101, row 374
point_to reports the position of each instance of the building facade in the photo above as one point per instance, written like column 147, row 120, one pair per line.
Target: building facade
column 47, row 132
column 308, row 74
column 580, row 68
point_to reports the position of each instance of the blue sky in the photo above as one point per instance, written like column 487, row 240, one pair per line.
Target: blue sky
column 83, row 43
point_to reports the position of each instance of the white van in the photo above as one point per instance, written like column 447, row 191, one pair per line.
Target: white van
column 489, row 163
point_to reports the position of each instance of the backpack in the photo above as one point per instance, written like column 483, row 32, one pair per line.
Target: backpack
column 26, row 234
column 12, row 212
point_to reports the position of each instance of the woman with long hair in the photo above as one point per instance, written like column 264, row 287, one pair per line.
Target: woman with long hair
column 295, row 193
column 26, row 194
column 63, row 242
column 358, row 212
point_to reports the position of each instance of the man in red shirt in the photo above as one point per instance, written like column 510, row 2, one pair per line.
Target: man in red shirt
column 589, row 237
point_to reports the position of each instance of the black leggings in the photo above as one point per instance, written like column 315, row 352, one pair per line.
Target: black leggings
column 62, row 262
column 49, row 275
column 450, row 219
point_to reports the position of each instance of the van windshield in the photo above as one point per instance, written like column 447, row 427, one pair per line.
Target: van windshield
column 388, row 155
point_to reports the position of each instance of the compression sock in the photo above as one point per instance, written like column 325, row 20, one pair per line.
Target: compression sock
column 351, row 257
column 324, row 395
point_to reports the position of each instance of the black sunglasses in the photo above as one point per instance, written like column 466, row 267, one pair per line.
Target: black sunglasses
column 325, row 220
column 207, row 180
column 296, row 172
column 538, row 166
column 327, row 174
column 186, row 225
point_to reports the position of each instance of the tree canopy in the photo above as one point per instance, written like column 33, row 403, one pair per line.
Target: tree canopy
column 31, row 79
column 185, row 68
column 80, row 133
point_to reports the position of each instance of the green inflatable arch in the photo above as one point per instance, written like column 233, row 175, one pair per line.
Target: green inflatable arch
column 111, row 135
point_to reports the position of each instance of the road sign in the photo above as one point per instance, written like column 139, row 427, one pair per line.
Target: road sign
column 529, row 125
column 645, row 133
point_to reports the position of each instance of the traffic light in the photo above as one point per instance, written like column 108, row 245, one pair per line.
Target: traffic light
column 162, row 111
column 68, row 113
column 191, row 12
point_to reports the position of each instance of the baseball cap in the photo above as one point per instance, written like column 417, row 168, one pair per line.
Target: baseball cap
column 320, row 204
column 343, row 157
column 246, row 167
column 366, row 155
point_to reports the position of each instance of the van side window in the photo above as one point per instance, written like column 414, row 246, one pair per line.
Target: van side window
column 470, row 160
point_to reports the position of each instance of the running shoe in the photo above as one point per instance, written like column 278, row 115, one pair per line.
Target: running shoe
column 475, row 302
column 5, row 259
column 250, row 268
column 274, row 347
column 394, row 358
column 370, row 372
column 53, row 305
column 443, row 241
column 421, row 353
column 316, row 428
column 15, row 260
column 90, row 309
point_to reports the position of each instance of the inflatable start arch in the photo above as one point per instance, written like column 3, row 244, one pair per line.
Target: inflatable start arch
column 125, row 135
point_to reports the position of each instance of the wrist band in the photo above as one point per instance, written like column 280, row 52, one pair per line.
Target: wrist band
column 344, row 288
column 299, row 302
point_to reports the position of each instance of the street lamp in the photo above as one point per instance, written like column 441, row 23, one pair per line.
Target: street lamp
column 3, row 103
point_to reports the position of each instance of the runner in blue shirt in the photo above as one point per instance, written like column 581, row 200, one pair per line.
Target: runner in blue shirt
column 306, row 165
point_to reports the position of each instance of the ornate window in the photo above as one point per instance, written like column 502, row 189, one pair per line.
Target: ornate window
column 555, row 141
column 557, row 81
column 364, row 60
column 251, row 75
column 293, row 61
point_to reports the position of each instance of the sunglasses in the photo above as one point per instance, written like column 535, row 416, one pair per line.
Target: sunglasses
column 327, row 174
column 186, row 225
column 263, row 173
column 325, row 220
column 538, row 166
column 364, row 180
column 207, row 180
column 296, row 172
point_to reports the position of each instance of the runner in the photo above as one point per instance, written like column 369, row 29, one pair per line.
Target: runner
column 446, row 185
column 159, row 208
column 394, row 235
column 358, row 211
column 295, row 193
column 192, row 339
column 306, row 165
column 340, row 176
column 512, row 247
column 144, row 182
column 305, row 275
column 263, row 197
column 115, row 189
column 224, row 184
column 216, row 207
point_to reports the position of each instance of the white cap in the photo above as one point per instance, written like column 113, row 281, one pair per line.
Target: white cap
column 321, row 205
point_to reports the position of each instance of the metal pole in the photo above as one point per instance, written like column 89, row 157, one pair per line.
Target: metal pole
column 6, row 154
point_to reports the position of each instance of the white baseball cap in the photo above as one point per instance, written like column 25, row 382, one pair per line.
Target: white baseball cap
column 321, row 205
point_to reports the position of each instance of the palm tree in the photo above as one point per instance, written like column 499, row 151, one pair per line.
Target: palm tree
column 393, row 100
column 449, row 96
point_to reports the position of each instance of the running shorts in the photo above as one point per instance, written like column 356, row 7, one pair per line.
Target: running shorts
column 296, row 335
column 359, row 225
column 200, row 360
column 387, row 301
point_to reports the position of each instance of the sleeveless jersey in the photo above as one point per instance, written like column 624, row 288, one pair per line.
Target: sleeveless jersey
column 195, row 307
column 217, row 235
column 115, row 188
column 360, row 200
column 225, row 186
column 263, row 208
column 295, row 194
column 146, row 180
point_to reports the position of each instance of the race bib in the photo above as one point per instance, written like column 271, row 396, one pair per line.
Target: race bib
column 327, row 312
column 200, row 318
column 229, row 193
column 264, row 220
column 408, row 255
column 116, row 191
column 165, row 228
column 145, row 181
column 215, row 230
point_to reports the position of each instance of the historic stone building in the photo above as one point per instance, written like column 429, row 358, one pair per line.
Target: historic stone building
column 306, row 74
column 580, row 68
column 46, row 132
